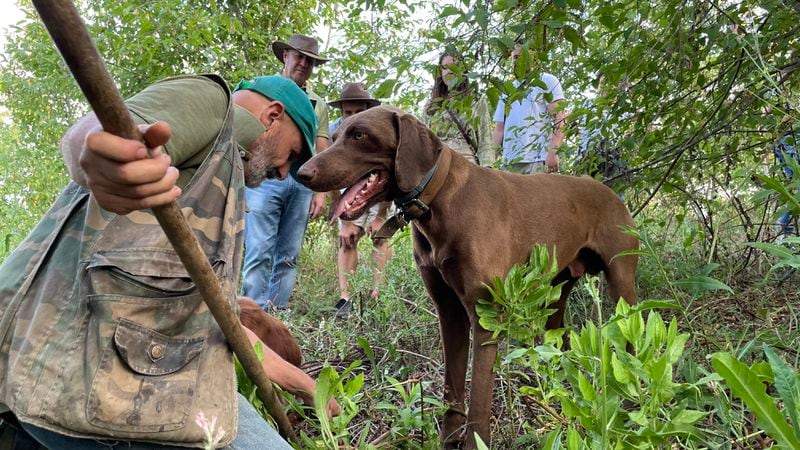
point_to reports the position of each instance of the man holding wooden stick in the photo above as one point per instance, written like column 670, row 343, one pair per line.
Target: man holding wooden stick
column 104, row 339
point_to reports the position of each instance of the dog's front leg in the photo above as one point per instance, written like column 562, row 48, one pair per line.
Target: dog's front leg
column 454, row 329
column 467, row 283
column 480, row 403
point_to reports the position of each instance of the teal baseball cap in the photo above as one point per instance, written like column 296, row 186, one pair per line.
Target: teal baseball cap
column 294, row 99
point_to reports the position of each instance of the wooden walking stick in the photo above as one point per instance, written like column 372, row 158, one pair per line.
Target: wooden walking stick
column 72, row 39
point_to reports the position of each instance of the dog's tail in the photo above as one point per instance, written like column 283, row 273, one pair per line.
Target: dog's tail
column 271, row 331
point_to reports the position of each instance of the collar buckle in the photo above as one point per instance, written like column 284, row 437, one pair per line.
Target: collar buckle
column 413, row 209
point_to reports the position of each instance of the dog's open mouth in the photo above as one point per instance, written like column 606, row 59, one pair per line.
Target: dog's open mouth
column 360, row 196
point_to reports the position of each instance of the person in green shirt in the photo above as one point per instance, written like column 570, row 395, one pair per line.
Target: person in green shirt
column 104, row 336
column 458, row 116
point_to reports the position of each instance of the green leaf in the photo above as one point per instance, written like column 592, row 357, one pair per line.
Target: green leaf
column 327, row 382
column 676, row 346
column 479, row 443
column 778, row 251
column 547, row 352
column 552, row 440
column 621, row 373
column 655, row 330
column 450, row 10
column 586, row 388
column 638, row 417
column 688, row 416
column 660, row 372
column 574, row 440
column 702, row 284
column 608, row 22
column 502, row 5
column 787, row 382
column 553, row 23
column 568, row 407
column 516, row 353
column 386, row 88
column 482, row 18
column 640, row 252
column 779, row 187
column 573, row 37
column 745, row 385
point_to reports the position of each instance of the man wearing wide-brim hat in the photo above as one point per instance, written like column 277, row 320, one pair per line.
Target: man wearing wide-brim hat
column 280, row 209
column 306, row 45
column 353, row 100
column 355, row 93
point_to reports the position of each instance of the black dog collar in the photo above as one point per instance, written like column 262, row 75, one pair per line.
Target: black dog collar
column 414, row 204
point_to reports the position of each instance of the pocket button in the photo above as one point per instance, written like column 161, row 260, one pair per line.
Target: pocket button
column 156, row 352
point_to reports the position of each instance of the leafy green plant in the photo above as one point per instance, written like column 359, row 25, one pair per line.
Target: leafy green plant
column 347, row 391
column 413, row 423
column 782, row 252
column 609, row 397
column 518, row 307
column 747, row 383
column 518, row 312
column 788, row 194
column 628, row 400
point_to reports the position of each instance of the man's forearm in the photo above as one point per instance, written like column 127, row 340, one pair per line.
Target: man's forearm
column 556, row 141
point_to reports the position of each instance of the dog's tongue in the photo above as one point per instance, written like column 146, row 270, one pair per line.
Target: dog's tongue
column 349, row 198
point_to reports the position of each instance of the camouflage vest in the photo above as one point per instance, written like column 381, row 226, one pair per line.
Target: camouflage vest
column 104, row 333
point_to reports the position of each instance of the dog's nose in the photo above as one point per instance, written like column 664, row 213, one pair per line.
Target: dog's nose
column 306, row 173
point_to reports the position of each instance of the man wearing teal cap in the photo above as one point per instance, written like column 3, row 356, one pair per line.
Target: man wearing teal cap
column 104, row 336
column 296, row 103
column 280, row 209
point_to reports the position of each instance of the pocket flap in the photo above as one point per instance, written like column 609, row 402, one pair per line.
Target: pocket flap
column 149, row 352
column 144, row 261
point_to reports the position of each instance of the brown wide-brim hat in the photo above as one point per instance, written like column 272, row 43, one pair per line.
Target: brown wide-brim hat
column 303, row 44
column 355, row 92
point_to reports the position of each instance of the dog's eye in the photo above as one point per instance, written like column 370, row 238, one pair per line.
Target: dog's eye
column 359, row 135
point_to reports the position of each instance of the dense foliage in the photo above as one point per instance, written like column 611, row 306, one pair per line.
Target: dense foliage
column 694, row 95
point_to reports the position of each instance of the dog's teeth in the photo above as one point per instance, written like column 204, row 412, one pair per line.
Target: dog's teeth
column 372, row 177
column 346, row 205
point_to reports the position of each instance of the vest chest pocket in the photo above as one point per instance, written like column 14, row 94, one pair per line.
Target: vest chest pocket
column 145, row 344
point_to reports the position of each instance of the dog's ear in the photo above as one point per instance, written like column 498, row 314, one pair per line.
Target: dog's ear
column 417, row 151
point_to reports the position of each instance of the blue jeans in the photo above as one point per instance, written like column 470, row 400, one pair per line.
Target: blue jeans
column 784, row 225
column 254, row 433
column 273, row 235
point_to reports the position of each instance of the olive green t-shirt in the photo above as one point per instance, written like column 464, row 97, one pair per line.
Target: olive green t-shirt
column 321, row 111
column 195, row 108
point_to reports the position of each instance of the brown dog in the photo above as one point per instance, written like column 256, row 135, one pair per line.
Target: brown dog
column 272, row 332
column 472, row 224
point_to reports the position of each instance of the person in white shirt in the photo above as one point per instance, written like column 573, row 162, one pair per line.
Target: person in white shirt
column 533, row 129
